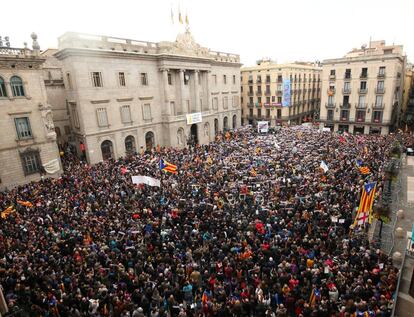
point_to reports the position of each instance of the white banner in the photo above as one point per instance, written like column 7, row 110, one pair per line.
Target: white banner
column 52, row 166
column 146, row 180
column 262, row 126
column 194, row 118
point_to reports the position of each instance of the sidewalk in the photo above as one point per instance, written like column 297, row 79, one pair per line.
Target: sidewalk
column 405, row 303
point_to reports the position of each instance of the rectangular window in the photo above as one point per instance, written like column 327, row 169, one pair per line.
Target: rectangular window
column 279, row 87
column 172, row 107
column 146, row 111
column 273, row 98
column 267, row 113
column 75, row 117
column 169, row 78
column 31, row 162
column 268, row 100
column 259, row 100
column 332, row 73
column 97, row 79
column 215, row 103
column 259, row 79
column 363, row 85
column 224, row 79
column 378, row 101
column 234, row 79
column 259, row 113
column 381, row 71
column 361, row 100
column 380, row 86
column 279, row 78
column 360, row 116
column 126, row 114
column 67, row 129
column 346, row 100
column 267, row 79
column 348, row 73
column 23, row 128
column 344, row 115
column 330, row 115
column 376, row 116
column 69, row 80
column 347, row 86
column 364, row 72
column 144, row 79
column 251, row 100
column 268, row 89
column 121, row 77
column 201, row 103
column 279, row 99
column 102, row 117
column 279, row 113
column 251, row 112
column 225, row 102
column 250, row 89
column 215, row 79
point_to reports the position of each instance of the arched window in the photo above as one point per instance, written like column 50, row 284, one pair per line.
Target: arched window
column 3, row 92
column 225, row 124
column 234, row 122
column 16, row 84
column 216, row 127
column 130, row 147
column 149, row 140
column 107, row 150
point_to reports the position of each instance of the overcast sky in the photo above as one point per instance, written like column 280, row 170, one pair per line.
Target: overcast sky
column 289, row 30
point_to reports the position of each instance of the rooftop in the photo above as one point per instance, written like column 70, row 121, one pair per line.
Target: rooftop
column 184, row 46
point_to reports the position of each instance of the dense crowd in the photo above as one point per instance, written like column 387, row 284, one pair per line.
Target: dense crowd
column 249, row 226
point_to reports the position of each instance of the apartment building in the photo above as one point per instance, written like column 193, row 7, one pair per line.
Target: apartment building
column 125, row 95
column 362, row 91
column 28, row 147
column 280, row 93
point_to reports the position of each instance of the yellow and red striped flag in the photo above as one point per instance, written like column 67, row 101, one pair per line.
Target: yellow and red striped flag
column 364, row 170
column 365, row 204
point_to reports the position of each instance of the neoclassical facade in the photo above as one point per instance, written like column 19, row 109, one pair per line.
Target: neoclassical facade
column 28, row 147
column 125, row 96
column 362, row 91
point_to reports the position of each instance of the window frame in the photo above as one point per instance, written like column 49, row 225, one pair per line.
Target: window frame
column 33, row 154
column 17, row 90
column 20, row 136
column 3, row 89
column 97, row 80
column 121, row 79
column 144, row 79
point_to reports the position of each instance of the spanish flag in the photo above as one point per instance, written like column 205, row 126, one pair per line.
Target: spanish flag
column 168, row 167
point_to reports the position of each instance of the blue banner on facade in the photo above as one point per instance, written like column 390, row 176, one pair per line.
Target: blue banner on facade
column 286, row 93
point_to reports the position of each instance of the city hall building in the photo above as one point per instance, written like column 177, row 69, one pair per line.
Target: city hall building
column 28, row 148
column 124, row 96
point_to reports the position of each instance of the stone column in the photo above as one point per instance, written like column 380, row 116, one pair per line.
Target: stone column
column 197, row 91
column 8, row 90
column 167, row 109
column 208, row 90
column 183, row 105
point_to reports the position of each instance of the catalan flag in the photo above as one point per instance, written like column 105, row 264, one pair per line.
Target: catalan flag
column 25, row 203
column 253, row 172
column 5, row 213
column 364, row 170
column 168, row 167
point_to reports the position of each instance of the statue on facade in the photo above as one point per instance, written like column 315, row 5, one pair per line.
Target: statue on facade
column 47, row 118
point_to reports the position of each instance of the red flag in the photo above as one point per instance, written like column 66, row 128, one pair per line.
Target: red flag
column 124, row 170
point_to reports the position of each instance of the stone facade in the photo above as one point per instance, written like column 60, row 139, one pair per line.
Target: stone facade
column 262, row 93
column 362, row 92
column 28, row 139
column 125, row 95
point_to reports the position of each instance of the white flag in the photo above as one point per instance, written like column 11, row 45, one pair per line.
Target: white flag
column 146, row 180
column 324, row 166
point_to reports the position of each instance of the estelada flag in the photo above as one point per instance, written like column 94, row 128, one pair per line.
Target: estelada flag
column 168, row 167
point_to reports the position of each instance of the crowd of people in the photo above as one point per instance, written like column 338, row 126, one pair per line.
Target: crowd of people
column 249, row 226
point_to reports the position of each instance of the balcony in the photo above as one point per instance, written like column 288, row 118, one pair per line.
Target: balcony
column 268, row 92
column 381, row 75
column 250, row 105
column 250, row 93
column 379, row 90
column 376, row 120
column 379, row 106
column 332, row 77
column 259, row 82
column 344, row 118
column 278, row 92
column 330, row 105
column 346, row 91
column 347, row 76
column 363, row 76
column 362, row 106
column 362, row 91
column 259, row 93
column 250, row 81
column 360, row 119
column 345, row 105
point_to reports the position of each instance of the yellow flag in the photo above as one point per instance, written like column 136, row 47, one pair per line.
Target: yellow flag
column 180, row 18
column 186, row 19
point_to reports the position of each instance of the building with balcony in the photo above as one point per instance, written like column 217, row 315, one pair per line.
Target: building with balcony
column 125, row 96
column 28, row 147
column 362, row 91
column 407, row 110
column 262, row 92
